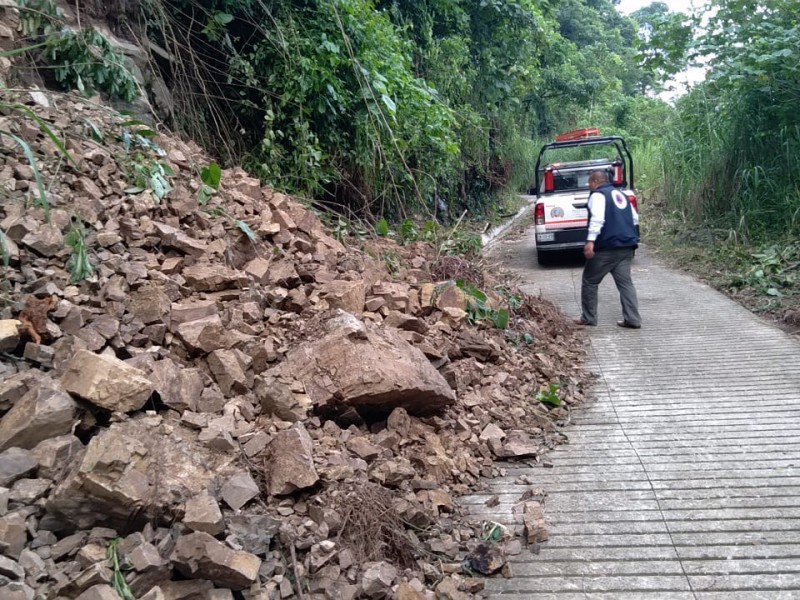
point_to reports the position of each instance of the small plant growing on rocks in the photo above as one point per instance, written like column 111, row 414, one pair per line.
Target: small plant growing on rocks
column 121, row 586
column 550, row 396
column 41, row 196
column 210, row 175
column 479, row 310
column 79, row 265
column 143, row 166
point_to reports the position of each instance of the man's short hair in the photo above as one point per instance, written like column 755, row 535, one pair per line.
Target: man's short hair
column 600, row 176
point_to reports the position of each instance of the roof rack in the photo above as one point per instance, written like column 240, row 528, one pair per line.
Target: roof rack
column 578, row 134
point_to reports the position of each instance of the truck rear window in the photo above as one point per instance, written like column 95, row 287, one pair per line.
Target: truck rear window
column 569, row 180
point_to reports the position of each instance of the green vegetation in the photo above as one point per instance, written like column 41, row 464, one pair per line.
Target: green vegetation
column 722, row 181
column 142, row 161
column 40, row 198
column 210, row 175
column 478, row 308
column 381, row 108
column 401, row 108
column 733, row 145
column 83, row 59
column 418, row 115
column 549, row 396
column 121, row 586
column 78, row 264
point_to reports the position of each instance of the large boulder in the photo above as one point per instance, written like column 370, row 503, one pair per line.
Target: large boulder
column 132, row 472
column 365, row 368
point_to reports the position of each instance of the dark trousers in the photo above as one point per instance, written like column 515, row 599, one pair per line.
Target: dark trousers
column 617, row 262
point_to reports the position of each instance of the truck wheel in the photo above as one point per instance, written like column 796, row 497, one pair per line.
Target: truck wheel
column 544, row 259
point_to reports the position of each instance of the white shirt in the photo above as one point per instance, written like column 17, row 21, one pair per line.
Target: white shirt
column 597, row 208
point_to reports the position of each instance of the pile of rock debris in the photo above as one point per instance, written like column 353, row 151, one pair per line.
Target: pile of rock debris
column 234, row 404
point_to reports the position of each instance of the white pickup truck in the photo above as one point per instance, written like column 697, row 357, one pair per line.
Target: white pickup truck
column 562, row 188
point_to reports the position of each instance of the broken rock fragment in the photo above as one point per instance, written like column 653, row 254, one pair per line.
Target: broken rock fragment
column 290, row 462
column 518, row 444
column 9, row 334
column 203, row 335
column 393, row 472
column 377, row 579
column 42, row 413
column 106, row 382
column 149, row 304
column 239, row 490
column 346, row 295
column 535, row 528
column 13, row 535
column 203, row 514
column 200, row 556
column 205, row 277
column 132, row 472
column 101, row 591
column 178, row 387
column 487, row 558
column 16, row 463
column 278, row 399
column 228, row 372
column 172, row 237
column 55, row 455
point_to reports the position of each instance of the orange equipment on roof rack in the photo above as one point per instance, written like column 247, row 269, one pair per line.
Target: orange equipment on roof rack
column 578, row 134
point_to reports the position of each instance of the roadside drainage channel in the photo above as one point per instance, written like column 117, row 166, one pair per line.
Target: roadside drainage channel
column 496, row 233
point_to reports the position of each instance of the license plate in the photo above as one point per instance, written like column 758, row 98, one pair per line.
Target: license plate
column 545, row 237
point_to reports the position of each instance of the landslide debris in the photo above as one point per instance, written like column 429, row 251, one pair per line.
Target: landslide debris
column 234, row 402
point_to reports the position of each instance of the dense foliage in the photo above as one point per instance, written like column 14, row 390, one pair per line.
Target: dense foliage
column 384, row 106
column 732, row 155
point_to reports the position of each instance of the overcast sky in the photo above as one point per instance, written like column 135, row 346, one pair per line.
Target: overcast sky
column 628, row 6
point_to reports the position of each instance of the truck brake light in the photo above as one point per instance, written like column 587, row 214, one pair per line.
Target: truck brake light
column 539, row 214
column 549, row 184
column 634, row 203
column 617, row 173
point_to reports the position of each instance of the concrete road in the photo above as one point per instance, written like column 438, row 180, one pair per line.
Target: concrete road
column 682, row 479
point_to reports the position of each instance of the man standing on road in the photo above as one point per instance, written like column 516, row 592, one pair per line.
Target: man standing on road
column 610, row 246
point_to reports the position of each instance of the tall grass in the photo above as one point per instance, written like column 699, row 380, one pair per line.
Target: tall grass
column 732, row 168
column 648, row 167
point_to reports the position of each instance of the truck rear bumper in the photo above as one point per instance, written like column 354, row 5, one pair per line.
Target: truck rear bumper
column 565, row 239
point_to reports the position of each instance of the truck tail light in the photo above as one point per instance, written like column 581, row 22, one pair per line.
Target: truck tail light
column 549, row 185
column 617, row 174
column 634, row 203
column 539, row 214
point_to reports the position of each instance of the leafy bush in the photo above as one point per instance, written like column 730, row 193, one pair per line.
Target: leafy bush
column 772, row 270
column 87, row 61
column 83, row 60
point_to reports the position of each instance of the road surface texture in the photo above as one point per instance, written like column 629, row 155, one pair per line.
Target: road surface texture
column 682, row 479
